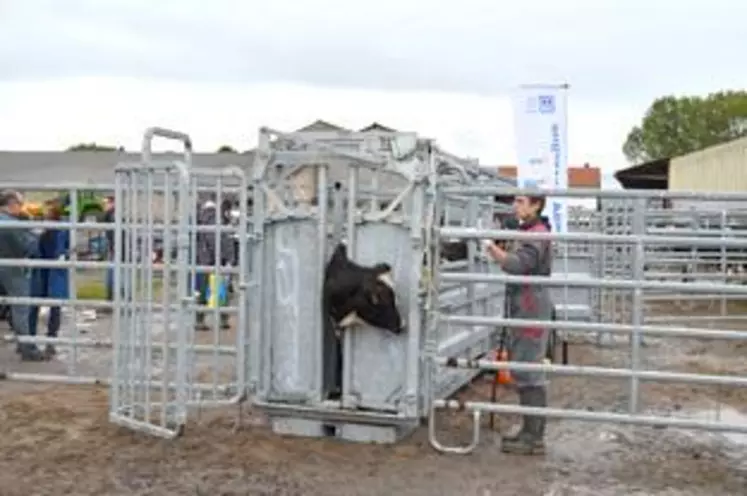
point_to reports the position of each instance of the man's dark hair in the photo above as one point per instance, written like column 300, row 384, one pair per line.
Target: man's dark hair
column 540, row 201
column 8, row 197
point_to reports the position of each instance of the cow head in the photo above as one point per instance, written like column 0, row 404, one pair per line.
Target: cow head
column 375, row 301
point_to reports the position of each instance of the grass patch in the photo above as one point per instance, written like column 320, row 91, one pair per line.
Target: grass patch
column 96, row 290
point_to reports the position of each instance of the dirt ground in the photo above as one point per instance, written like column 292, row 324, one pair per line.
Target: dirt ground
column 56, row 440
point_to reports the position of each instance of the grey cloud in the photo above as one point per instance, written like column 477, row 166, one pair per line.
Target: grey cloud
column 482, row 47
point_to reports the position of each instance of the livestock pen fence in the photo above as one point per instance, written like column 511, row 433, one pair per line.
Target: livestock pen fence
column 657, row 216
column 629, row 275
column 388, row 206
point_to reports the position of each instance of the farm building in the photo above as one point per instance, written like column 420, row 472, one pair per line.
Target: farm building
column 717, row 168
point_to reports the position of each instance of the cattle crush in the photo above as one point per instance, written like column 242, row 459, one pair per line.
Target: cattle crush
column 629, row 272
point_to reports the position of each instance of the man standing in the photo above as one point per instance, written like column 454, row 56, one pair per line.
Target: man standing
column 528, row 302
column 54, row 244
column 17, row 243
column 208, row 215
column 109, row 217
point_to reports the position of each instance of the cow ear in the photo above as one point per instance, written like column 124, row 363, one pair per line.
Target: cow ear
column 382, row 268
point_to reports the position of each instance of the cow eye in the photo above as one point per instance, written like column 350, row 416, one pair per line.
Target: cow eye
column 374, row 297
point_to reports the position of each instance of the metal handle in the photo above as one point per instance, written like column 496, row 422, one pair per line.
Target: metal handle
column 153, row 132
column 454, row 450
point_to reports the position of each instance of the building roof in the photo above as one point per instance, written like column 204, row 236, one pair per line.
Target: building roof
column 97, row 167
column 578, row 176
column 94, row 166
column 649, row 175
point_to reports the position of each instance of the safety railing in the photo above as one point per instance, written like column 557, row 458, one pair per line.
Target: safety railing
column 632, row 326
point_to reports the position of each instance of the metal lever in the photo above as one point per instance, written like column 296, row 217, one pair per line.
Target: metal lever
column 153, row 132
column 454, row 450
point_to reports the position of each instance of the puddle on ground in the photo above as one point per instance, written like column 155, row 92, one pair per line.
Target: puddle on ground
column 723, row 414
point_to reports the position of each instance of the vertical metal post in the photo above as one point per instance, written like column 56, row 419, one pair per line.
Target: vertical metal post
column 348, row 400
column 432, row 327
column 120, row 331
column 186, row 319
column 243, row 367
column 72, row 279
column 321, row 325
column 259, row 342
column 639, row 229
column 166, row 289
column 412, row 378
column 473, row 204
column 724, row 267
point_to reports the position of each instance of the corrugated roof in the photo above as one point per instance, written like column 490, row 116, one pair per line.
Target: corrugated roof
column 94, row 167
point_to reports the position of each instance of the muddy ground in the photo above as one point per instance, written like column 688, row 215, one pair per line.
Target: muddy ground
column 56, row 440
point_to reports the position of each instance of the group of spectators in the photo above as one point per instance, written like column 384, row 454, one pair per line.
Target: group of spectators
column 18, row 280
column 22, row 281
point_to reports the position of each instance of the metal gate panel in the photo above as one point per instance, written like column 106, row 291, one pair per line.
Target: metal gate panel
column 376, row 364
column 217, row 357
column 291, row 300
column 575, row 303
column 150, row 388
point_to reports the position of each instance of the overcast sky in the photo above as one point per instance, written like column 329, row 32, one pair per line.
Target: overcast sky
column 91, row 70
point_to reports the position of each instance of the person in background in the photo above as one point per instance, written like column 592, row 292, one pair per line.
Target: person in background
column 108, row 204
column 208, row 215
column 17, row 243
column 54, row 244
column 529, row 302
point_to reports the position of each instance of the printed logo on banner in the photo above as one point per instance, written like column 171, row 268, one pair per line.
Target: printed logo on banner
column 546, row 104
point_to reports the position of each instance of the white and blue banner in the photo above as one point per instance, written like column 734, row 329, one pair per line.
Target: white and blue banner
column 541, row 131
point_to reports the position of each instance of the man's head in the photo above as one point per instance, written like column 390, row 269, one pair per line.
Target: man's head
column 11, row 202
column 53, row 208
column 108, row 203
column 527, row 208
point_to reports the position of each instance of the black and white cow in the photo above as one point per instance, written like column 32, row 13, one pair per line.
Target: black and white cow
column 354, row 294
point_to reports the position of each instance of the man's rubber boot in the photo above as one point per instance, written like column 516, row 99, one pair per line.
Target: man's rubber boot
column 30, row 353
column 50, row 351
column 530, row 439
column 200, row 324
column 224, row 322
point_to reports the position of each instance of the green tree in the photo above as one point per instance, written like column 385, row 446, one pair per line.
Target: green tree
column 226, row 149
column 675, row 126
column 93, row 147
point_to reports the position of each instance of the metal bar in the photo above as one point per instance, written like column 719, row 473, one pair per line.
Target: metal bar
column 590, row 282
column 84, row 264
column 472, row 233
column 153, row 132
column 350, row 400
column 639, row 226
column 109, row 343
column 100, row 226
column 578, row 327
column 606, row 417
column 627, row 194
column 593, row 371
